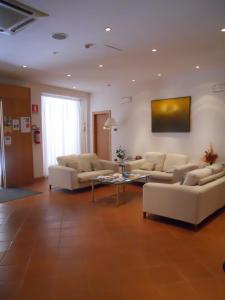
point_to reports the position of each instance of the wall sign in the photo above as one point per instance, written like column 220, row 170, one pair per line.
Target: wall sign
column 16, row 124
column 25, row 124
column 8, row 140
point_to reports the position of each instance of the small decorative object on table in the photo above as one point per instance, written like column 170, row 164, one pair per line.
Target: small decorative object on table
column 210, row 156
column 121, row 154
column 138, row 157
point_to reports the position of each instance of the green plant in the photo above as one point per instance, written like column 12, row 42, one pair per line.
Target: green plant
column 120, row 153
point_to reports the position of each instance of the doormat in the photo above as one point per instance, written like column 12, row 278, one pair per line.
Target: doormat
column 9, row 194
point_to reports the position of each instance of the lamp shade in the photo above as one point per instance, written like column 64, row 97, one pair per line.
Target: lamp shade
column 110, row 122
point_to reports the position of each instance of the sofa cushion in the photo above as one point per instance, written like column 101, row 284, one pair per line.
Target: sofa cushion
column 65, row 159
column 88, row 156
column 193, row 177
column 84, row 164
column 216, row 168
column 173, row 160
column 211, row 178
column 147, row 165
column 86, row 176
column 156, row 158
column 96, row 165
column 157, row 175
column 73, row 164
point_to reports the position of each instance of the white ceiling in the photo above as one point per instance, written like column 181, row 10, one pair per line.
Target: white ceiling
column 186, row 33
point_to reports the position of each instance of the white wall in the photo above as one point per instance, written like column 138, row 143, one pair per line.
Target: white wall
column 36, row 91
column 134, row 132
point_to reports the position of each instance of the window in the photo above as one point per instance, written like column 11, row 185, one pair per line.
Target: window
column 61, row 127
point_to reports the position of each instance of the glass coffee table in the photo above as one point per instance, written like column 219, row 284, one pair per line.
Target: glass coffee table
column 118, row 180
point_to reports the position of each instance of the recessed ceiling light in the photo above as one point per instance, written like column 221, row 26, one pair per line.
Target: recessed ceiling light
column 223, row 29
column 68, row 75
column 133, row 80
column 159, row 75
column 55, row 52
column 154, row 50
column 24, row 66
column 100, row 66
column 197, row 67
column 59, row 36
column 74, row 87
column 108, row 29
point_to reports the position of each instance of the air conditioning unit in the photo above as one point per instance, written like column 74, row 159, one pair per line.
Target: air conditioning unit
column 218, row 88
column 15, row 16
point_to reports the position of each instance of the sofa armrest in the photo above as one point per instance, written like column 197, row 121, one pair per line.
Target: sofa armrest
column 109, row 165
column 180, row 171
column 132, row 165
column 63, row 177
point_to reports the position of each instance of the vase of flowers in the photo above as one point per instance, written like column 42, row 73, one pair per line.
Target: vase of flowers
column 210, row 156
column 120, row 154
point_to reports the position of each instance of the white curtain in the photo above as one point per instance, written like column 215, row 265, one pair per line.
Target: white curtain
column 61, row 128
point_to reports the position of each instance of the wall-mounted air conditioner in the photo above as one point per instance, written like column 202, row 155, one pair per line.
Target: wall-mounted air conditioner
column 15, row 16
column 218, row 88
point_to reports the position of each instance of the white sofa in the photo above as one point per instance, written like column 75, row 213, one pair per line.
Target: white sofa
column 189, row 203
column 76, row 171
column 162, row 167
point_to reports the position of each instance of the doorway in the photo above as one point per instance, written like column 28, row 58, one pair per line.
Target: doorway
column 101, row 137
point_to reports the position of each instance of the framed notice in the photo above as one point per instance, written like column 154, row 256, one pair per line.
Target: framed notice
column 16, row 124
column 25, row 125
column 8, row 140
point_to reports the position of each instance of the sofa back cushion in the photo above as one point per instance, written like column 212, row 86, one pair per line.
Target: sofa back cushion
column 147, row 165
column 88, row 156
column 96, row 165
column 85, row 161
column 67, row 160
column 216, row 168
column 157, row 158
column 193, row 177
column 173, row 160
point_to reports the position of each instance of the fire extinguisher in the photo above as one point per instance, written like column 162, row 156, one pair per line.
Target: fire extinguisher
column 37, row 135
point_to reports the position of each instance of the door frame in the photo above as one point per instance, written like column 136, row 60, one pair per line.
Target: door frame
column 94, row 114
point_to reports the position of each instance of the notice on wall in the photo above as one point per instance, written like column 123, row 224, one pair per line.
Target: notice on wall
column 16, row 124
column 25, row 125
column 8, row 140
column 7, row 129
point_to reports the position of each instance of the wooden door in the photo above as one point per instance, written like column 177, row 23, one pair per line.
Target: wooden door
column 101, row 137
column 19, row 154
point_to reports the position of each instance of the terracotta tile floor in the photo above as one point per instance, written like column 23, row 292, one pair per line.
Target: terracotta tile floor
column 60, row 246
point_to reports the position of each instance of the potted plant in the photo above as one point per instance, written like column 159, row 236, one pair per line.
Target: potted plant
column 210, row 156
column 120, row 154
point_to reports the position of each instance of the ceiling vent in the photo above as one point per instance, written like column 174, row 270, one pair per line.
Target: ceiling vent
column 15, row 16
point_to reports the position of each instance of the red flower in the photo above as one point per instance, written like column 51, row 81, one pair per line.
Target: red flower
column 210, row 157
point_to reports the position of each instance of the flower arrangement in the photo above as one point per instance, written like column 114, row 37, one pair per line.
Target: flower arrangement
column 121, row 153
column 210, row 157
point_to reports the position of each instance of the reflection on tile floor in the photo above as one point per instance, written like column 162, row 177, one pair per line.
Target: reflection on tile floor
column 60, row 246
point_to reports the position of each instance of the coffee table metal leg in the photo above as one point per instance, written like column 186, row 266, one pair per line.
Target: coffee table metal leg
column 93, row 191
